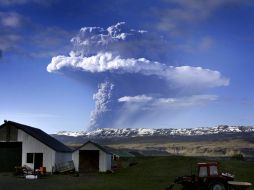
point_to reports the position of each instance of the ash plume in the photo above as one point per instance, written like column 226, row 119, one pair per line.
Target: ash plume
column 102, row 100
column 133, row 80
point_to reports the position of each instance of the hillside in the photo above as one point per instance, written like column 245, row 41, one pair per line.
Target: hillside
column 220, row 141
column 219, row 148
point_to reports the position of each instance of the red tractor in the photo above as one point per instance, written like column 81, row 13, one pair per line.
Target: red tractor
column 208, row 178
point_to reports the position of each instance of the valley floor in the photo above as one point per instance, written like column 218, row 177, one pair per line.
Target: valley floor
column 219, row 148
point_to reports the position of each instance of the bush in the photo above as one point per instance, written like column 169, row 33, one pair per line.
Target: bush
column 238, row 157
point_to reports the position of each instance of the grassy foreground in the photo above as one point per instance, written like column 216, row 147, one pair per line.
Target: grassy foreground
column 153, row 173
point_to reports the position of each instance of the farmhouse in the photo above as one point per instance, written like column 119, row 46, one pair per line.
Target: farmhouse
column 92, row 157
column 25, row 145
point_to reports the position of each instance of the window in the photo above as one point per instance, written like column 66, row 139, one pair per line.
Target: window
column 203, row 171
column 29, row 158
column 213, row 170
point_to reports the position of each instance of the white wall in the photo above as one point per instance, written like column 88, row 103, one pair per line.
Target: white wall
column 63, row 157
column 32, row 145
column 104, row 158
column 109, row 161
column 75, row 158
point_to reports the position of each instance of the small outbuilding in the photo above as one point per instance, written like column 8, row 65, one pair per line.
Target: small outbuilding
column 121, row 154
column 92, row 157
column 24, row 145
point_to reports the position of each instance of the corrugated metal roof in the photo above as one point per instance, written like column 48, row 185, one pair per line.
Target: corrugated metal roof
column 41, row 136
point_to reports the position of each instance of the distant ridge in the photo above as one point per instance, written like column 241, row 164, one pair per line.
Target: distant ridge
column 149, row 132
column 219, row 141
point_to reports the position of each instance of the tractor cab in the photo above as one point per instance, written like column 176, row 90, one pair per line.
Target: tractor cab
column 209, row 169
column 207, row 172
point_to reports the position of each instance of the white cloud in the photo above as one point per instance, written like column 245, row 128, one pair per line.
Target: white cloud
column 152, row 103
column 92, row 40
column 115, row 32
column 183, row 12
column 49, row 41
column 198, row 45
column 11, row 19
column 187, row 75
column 8, row 41
column 15, row 37
column 93, row 53
column 21, row 2
column 106, row 62
column 135, row 99
column 193, row 100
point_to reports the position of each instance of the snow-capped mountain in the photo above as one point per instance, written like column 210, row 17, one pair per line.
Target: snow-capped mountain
column 146, row 132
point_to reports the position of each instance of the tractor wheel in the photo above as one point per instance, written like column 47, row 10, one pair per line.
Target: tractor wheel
column 217, row 186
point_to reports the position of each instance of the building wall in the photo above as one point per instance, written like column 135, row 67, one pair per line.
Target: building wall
column 3, row 134
column 63, row 157
column 75, row 158
column 32, row 145
column 104, row 158
column 109, row 161
column 8, row 134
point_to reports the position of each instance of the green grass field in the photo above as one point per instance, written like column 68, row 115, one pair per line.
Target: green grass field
column 151, row 173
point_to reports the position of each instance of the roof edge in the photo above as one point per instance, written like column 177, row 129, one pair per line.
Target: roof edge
column 6, row 122
column 95, row 144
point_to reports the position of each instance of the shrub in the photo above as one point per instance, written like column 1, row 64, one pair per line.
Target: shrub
column 238, row 156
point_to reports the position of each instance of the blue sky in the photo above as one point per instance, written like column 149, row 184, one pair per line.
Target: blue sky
column 161, row 63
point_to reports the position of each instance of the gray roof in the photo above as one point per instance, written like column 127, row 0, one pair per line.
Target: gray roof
column 41, row 136
column 97, row 145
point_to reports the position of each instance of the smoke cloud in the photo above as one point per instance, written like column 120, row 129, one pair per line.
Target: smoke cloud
column 132, row 81
column 102, row 103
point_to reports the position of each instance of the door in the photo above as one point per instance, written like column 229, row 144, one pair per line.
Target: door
column 89, row 160
column 38, row 160
column 10, row 156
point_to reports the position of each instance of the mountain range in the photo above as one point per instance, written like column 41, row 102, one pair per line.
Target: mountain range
column 115, row 135
column 141, row 132
column 219, row 141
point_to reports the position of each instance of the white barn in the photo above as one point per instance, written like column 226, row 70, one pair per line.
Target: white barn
column 24, row 145
column 92, row 157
